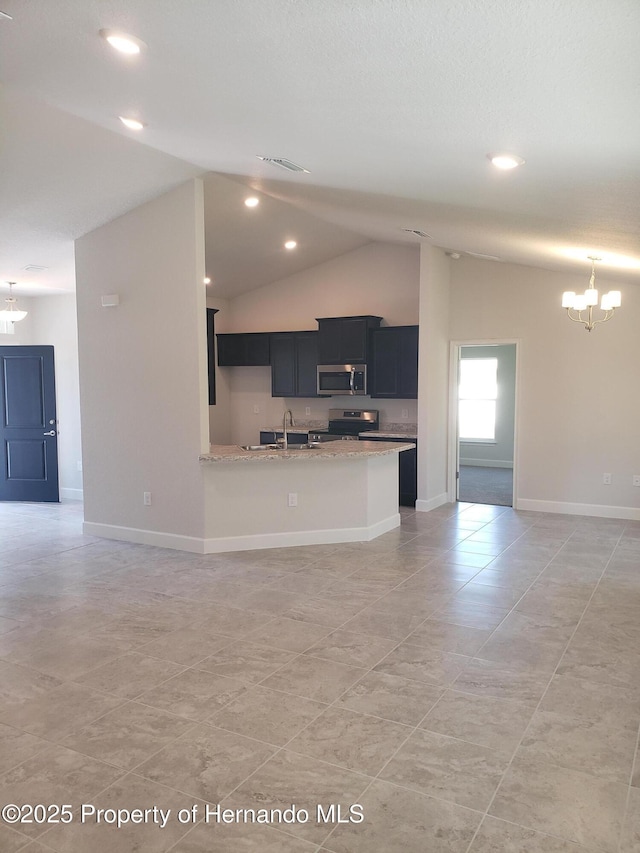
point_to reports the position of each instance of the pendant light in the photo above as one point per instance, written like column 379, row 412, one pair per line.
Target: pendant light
column 11, row 314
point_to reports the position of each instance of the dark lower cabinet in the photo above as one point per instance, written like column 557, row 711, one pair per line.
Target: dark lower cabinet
column 394, row 362
column 244, row 349
column 293, row 437
column 294, row 357
column 407, row 470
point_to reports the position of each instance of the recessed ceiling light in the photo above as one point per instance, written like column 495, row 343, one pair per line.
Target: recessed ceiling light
column 122, row 42
column 207, row 280
column 131, row 123
column 252, row 201
column 505, row 161
column 290, row 244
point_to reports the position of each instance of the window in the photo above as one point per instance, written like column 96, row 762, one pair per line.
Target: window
column 477, row 395
column 6, row 328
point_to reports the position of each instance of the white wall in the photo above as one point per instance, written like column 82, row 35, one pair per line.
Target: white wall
column 433, row 378
column 51, row 321
column 381, row 279
column 143, row 379
column 578, row 411
column 499, row 452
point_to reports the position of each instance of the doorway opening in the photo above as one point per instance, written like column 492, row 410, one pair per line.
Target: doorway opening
column 484, row 423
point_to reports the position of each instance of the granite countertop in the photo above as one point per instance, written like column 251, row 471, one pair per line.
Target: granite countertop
column 326, row 450
column 408, row 431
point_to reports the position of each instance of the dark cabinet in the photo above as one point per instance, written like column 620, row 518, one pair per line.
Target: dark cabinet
column 293, row 437
column 245, row 349
column 407, row 470
column 294, row 357
column 345, row 340
column 394, row 362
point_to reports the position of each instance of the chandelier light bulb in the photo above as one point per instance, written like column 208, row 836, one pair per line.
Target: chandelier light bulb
column 587, row 301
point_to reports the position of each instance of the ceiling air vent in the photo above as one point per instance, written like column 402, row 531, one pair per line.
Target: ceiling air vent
column 418, row 233
column 34, row 268
column 284, row 164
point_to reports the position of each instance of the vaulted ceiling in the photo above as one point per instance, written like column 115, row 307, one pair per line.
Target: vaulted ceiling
column 392, row 106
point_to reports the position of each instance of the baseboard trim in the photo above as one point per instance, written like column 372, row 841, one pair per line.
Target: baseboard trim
column 627, row 513
column 432, row 503
column 487, row 463
column 145, row 537
column 72, row 494
column 242, row 543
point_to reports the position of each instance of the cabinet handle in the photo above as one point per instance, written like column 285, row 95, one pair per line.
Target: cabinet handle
column 51, row 432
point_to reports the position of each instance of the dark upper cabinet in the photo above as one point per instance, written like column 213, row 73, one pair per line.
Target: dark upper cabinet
column 345, row 340
column 246, row 349
column 294, row 357
column 394, row 362
column 211, row 354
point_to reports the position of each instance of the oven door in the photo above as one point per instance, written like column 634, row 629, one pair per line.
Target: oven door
column 336, row 379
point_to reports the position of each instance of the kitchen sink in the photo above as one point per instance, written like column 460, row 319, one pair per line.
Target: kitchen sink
column 258, row 447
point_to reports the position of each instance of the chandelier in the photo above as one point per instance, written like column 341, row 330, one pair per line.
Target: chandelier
column 11, row 314
column 587, row 301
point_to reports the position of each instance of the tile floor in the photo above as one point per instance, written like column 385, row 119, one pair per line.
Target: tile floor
column 472, row 679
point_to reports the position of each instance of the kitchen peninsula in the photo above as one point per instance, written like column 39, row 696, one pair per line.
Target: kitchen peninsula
column 337, row 492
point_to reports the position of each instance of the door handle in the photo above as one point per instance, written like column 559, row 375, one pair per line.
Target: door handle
column 51, row 432
column 352, row 389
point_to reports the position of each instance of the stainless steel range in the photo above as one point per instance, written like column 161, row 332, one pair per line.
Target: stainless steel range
column 345, row 424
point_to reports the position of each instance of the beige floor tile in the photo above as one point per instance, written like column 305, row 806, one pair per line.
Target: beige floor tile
column 495, row 723
column 267, row 715
column 128, row 735
column 56, row 775
column 324, row 611
column 130, row 792
column 492, row 596
column 288, row 634
column 21, row 682
column 591, row 700
column 595, row 747
column 630, row 840
column 561, row 802
column 12, row 841
column 352, row 740
column 290, row 778
column 380, row 623
column 186, row 646
column 313, row 678
column 129, row 675
column 491, row 678
column 58, row 712
column 246, row 661
column 194, row 694
column 471, row 614
column 497, row 836
column 446, row 637
column 448, row 769
column 432, row 667
column 403, row 700
column 397, row 819
column 241, row 838
column 206, row 762
column 351, row 648
column 17, row 746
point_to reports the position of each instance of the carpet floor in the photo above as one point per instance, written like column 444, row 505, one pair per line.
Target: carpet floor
column 482, row 485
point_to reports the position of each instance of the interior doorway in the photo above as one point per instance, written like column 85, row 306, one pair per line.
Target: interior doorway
column 28, row 426
column 484, row 428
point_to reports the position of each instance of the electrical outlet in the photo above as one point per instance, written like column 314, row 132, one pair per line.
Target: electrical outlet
column 405, row 413
column 307, row 410
column 292, row 499
column 256, row 410
column 636, row 480
column 146, row 498
column 606, row 479
column 79, row 464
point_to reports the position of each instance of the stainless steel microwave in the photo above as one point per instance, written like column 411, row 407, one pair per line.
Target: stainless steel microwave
column 336, row 379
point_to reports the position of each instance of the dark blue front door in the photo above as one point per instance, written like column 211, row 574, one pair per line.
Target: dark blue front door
column 28, row 434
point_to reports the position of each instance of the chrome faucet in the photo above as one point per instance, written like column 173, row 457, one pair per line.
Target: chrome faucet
column 285, row 442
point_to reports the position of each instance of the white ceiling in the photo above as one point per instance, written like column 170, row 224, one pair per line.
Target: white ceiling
column 392, row 105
